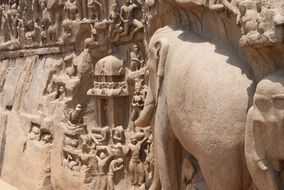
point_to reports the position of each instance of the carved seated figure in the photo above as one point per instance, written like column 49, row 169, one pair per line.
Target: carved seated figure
column 75, row 117
column 46, row 138
column 101, row 136
column 127, row 17
column 71, row 142
column 35, row 132
column 114, row 23
column 118, row 135
column 249, row 16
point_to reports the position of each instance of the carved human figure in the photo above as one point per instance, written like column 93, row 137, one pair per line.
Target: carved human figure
column 66, row 161
column 114, row 22
column 114, row 166
column 71, row 10
column 60, row 93
column 264, row 145
column 75, row 165
column 71, row 142
column 102, row 135
column 118, row 135
column 46, row 138
column 101, row 182
column 35, row 132
column 75, row 117
column 136, row 58
column 127, row 17
column 137, row 103
column 136, row 169
column 249, row 16
column 95, row 10
column 265, row 24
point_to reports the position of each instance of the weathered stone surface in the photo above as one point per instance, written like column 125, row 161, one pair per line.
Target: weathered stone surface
column 130, row 94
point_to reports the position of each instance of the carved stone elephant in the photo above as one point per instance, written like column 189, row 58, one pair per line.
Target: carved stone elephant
column 264, row 144
column 199, row 93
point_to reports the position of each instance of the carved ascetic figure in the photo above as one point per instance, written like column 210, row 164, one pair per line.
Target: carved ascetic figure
column 136, row 58
column 214, row 135
column 264, row 133
column 75, row 117
column 114, row 166
column 127, row 17
column 136, row 168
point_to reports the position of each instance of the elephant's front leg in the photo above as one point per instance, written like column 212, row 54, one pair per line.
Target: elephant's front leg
column 167, row 151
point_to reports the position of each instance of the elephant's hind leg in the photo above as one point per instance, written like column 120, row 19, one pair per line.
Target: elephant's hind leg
column 167, row 152
column 225, row 173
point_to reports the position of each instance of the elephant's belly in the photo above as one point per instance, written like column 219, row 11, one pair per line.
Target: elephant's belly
column 207, row 98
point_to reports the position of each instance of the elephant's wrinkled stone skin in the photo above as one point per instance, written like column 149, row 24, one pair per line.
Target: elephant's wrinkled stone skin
column 201, row 104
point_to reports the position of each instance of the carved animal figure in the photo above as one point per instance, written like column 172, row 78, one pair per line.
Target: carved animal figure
column 201, row 98
column 264, row 145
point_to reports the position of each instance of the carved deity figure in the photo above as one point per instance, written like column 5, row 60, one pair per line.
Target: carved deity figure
column 127, row 17
column 101, row 182
column 136, row 58
column 136, row 169
column 115, row 165
column 60, row 94
column 71, row 10
column 75, row 117
column 95, row 10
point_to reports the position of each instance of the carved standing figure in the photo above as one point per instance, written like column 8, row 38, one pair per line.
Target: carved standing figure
column 101, row 182
column 114, row 166
column 136, row 58
column 136, row 169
